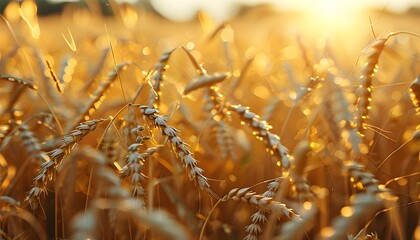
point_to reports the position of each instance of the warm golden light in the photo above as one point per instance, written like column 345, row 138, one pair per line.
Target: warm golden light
column 330, row 8
column 327, row 232
column 307, row 205
column 347, row 211
column 209, row 120
column 329, row 16
column 417, row 233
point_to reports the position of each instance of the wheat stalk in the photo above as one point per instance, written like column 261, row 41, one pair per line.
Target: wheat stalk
column 18, row 90
column 96, row 70
column 5, row 131
column 10, row 209
column 98, row 95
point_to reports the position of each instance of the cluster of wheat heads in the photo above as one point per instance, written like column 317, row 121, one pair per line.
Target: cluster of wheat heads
column 115, row 135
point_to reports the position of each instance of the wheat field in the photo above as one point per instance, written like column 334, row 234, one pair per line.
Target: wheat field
column 131, row 126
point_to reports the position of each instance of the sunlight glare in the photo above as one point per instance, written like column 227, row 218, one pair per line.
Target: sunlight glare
column 333, row 12
column 331, row 9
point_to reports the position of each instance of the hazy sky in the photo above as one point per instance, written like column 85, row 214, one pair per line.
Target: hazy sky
column 220, row 9
column 183, row 10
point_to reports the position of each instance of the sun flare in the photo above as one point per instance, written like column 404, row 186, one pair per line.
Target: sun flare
column 332, row 11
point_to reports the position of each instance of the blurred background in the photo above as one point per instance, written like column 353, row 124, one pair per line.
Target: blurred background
column 271, row 47
column 220, row 10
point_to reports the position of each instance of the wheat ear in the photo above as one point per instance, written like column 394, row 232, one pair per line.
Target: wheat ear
column 296, row 228
column 263, row 203
column 215, row 103
column 362, row 208
column 261, row 130
column 415, row 93
column 96, row 70
column 297, row 185
column 364, row 95
column 54, row 77
column 118, row 199
column 181, row 149
column 31, row 144
column 156, row 80
column 363, row 205
column 301, row 189
column 110, row 146
column 20, row 81
column 344, row 126
column 47, row 169
column 135, row 161
column 260, row 217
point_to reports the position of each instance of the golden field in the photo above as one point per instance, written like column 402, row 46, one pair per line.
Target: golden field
column 271, row 125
